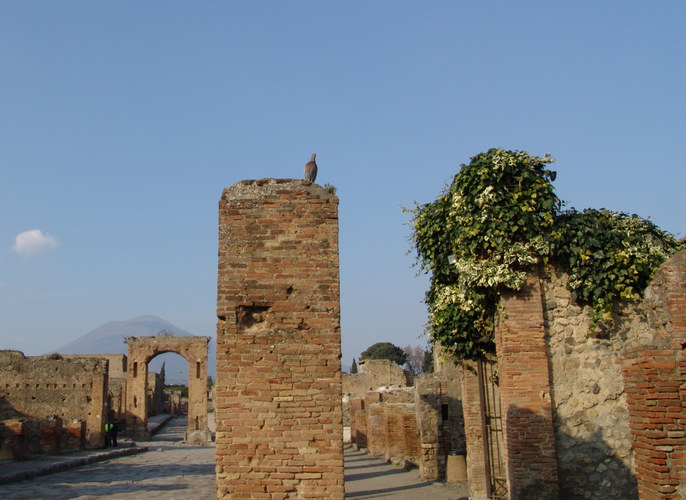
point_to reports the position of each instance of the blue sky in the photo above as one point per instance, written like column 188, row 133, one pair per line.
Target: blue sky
column 121, row 123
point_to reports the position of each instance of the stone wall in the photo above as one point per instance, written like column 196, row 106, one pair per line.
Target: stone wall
column 404, row 425
column 449, row 373
column 143, row 349
column 116, row 381
column 595, row 453
column 40, row 388
column 278, row 406
column 613, row 405
column 373, row 373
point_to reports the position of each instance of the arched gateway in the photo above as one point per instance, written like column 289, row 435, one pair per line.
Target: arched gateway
column 140, row 351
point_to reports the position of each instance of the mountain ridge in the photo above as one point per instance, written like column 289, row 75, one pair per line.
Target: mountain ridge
column 109, row 338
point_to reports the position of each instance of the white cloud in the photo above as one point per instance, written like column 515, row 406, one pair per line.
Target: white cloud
column 33, row 242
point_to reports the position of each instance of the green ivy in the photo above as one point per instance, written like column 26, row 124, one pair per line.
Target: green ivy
column 498, row 218
column 609, row 256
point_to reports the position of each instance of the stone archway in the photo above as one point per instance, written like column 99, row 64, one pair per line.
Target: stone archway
column 140, row 351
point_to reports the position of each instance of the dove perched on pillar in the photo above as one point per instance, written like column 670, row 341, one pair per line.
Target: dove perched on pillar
column 311, row 169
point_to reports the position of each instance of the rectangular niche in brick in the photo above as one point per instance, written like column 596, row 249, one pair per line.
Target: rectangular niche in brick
column 278, row 401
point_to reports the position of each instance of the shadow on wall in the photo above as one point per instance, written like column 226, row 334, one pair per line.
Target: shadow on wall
column 589, row 466
column 586, row 467
column 8, row 412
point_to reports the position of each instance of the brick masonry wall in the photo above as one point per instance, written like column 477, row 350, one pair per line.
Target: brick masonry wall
column 373, row 374
column 411, row 447
column 428, row 401
column 355, row 406
column 278, row 392
column 392, row 423
column 361, row 429
column 474, row 442
column 525, row 395
column 40, row 387
column 376, row 430
column 655, row 379
column 395, row 439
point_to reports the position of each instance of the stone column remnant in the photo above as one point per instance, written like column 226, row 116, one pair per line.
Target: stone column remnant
column 278, row 392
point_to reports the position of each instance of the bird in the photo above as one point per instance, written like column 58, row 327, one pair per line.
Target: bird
column 311, row 169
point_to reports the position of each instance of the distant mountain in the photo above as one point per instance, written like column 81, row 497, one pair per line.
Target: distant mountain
column 109, row 339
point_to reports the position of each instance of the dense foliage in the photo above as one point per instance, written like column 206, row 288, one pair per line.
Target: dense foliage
column 498, row 218
column 385, row 350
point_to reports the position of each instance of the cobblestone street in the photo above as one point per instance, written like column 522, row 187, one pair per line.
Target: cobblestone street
column 175, row 471
column 170, row 470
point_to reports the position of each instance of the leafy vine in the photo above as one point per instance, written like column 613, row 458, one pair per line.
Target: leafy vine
column 498, row 218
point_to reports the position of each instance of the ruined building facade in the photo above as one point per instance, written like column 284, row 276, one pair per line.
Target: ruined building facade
column 48, row 403
column 561, row 413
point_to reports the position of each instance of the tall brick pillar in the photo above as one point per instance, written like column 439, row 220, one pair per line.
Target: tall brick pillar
column 473, row 431
column 655, row 381
column 278, row 392
column 525, row 398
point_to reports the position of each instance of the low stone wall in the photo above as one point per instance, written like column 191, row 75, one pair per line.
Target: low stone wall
column 373, row 374
column 404, row 425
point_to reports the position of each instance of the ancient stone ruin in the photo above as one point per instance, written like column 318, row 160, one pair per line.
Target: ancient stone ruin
column 566, row 414
column 141, row 351
column 49, row 404
column 557, row 412
column 409, row 421
column 56, row 403
column 278, row 390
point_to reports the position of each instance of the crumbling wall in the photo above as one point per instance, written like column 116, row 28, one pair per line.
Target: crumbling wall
column 41, row 388
column 279, row 420
column 449, row 373
column 373, row 373
column 655, row 375
column 116, row 382
column 143, row 349
column 404, row 425
column 593, row 438
column 616, row 400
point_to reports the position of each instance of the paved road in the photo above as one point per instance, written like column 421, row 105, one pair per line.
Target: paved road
column 373, row 478
column 170, row 470
column 173, row 470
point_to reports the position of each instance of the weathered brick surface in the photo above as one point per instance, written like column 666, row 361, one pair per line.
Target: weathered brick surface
column 655, row 380
column 51, row 436
column 278, row 391
column 143, row 349
column 411, row 447
column 39, row 387
column 355, row 407
column 76, row 435
column 395, row 432
column 473, row 430
column 15, row 438
column 390, row 423
column 361, row 429
column 428, row 401
column 525, row 396
column 376, row 430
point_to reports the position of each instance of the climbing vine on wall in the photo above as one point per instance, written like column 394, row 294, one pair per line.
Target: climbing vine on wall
column 498, row 218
